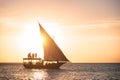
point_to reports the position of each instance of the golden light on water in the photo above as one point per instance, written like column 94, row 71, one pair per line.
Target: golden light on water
column 40, row 75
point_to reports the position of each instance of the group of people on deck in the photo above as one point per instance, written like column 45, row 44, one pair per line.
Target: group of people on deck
column 32, row 55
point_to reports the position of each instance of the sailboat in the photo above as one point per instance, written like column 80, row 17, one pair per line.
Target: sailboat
column 53, row 55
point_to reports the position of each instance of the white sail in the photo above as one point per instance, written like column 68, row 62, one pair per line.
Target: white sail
column 51, row 51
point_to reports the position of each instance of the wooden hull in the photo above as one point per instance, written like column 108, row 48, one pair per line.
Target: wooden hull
column 41, row 66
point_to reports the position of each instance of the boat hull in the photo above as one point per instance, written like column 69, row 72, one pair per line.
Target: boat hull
column 41, row 66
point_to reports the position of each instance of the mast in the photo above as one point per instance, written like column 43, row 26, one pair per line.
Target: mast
column 51, row 50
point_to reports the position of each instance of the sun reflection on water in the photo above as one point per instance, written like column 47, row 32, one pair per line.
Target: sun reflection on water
column 41, row 75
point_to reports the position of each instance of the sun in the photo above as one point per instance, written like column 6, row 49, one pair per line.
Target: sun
column 30, row 40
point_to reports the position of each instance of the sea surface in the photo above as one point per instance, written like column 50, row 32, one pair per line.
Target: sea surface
column 69, row 71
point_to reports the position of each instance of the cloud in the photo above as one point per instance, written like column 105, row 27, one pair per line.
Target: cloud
column 116, row 28
column 111, row 28
column 12, row 31
column 10, row 26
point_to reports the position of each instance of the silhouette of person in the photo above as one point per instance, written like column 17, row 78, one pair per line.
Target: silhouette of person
column 29, row 55
column 35, row 55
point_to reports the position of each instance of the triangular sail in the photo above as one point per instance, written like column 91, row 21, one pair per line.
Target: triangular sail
column 51, row 51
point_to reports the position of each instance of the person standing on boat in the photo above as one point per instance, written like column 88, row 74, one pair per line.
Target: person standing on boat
column 35, row 55
column 32, row 55
column 29, row 55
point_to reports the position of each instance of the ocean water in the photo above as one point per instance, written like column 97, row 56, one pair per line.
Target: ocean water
column 69, row 71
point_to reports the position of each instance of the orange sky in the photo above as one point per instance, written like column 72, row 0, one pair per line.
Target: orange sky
column 85, row 30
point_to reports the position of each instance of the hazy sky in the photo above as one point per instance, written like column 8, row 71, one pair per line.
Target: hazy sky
column 85, row 30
